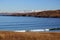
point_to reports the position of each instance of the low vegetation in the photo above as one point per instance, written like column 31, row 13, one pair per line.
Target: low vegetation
column 5, row 35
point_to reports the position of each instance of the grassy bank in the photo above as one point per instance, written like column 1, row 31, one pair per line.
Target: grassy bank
column 5, row 35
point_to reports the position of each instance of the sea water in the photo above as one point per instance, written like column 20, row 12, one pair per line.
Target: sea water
column 27, row 23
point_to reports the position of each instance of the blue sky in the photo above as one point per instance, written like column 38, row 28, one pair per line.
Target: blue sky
column 16, row 5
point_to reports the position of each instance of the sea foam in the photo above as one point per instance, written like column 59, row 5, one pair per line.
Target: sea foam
column 34, row 30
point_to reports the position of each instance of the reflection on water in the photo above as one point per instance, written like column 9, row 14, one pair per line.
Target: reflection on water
column 27, row 23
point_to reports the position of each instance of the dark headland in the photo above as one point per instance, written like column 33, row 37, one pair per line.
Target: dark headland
column 47, row 14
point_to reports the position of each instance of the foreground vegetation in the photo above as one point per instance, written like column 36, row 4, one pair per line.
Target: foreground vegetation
column 5, row 35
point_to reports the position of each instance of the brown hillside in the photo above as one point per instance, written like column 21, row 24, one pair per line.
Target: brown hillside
column 52, row 13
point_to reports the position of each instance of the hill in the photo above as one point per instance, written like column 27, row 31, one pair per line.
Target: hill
column 48, row 14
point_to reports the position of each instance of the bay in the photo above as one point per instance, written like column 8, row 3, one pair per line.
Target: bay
column 27, row 23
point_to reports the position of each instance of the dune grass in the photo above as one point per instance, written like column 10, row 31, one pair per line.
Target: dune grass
column 5, row 35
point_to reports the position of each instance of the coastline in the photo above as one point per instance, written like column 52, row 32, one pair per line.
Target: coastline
column 42, row 14
column 32, row 34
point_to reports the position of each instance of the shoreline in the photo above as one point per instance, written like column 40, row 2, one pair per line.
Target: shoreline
column 42, row 14
column 36, row 30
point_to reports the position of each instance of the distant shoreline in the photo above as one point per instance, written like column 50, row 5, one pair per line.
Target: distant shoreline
column 43, row 14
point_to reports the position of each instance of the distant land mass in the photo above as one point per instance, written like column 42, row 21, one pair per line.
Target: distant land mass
column 44, row 14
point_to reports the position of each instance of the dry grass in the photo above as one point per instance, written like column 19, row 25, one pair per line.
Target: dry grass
column 4, row 35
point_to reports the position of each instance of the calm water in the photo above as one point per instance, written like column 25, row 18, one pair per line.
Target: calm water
column 27, row 23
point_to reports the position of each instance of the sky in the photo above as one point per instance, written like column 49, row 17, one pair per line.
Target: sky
column 17, row 5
